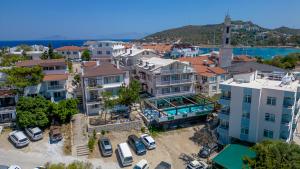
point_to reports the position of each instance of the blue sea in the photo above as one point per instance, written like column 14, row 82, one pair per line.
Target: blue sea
column 266, row 53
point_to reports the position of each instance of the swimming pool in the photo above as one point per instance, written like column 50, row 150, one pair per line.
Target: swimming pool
column 187, row 109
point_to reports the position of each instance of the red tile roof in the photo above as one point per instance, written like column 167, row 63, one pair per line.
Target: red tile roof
column 244, row 58
column 200, row 60
column 70, row 48
column 102, row 69
column 43, row 63
column 208, row 71
column 52, row 77
column 6, row 92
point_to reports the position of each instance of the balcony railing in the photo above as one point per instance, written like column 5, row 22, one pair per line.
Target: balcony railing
column 225, row 112
column 56, row 87
column 225, row 97
column 174, row 82
column 175, row 71
column 9, row 108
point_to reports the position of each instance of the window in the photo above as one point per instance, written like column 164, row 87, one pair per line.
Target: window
column 99, row 52
column 224, row 124
column 100, row 45
column 68, row 53
column 285, row 118
column 268, row 133
column 107, row 44
column 112, row 79
column 165, row 78
column 175, row 77
column 246, row 114
column 74, row 53
column 186, row 88
column 108, row 52
column 270, row 117
column 95, row 106
column 175, row 89
column 165, row 90
column 214, row 88
column 271, row 101
column 227, row 41
column 288, row 102
column 227, row 29
column 226, row 95
column 247, row 98
column 54, row 83
column 185, row 76
column 244, row 131
column 63, row 52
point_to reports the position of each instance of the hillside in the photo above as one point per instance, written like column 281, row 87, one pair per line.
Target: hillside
column 243, row 34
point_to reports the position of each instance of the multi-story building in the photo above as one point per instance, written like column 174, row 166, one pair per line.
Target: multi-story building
column 106, row 49
column 8, row 101
column 208, row 75
column 54, row 85
column 99, row 77
column 255, row 108
column 165, row 77
column 133, row 54
column 71, row 52
column 34, row 54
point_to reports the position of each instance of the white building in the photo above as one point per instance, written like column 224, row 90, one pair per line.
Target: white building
column 107, row 49
column 35, row 53
column 226, row 54
column 165, row 77
column 71, row 52
column 256, row 108
column 54, row 85
column 133, row 54
column 99, row 77
column 8, row 100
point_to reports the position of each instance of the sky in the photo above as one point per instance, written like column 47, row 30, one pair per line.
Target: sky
column 90, row 19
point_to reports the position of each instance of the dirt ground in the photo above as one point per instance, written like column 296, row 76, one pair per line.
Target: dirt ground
column 170, row 145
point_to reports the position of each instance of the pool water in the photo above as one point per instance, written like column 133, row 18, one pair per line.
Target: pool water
column 186, row 110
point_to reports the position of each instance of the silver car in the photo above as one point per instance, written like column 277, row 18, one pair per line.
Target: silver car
column 34, row 133
column 18, row 138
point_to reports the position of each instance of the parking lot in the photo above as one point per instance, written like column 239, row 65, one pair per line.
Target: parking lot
column 170, row 145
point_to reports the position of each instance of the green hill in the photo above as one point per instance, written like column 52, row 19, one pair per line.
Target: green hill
column 243, row 34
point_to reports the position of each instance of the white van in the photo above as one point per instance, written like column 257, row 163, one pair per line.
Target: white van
column 124, row 154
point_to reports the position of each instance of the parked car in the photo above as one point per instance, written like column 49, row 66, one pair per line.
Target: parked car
column 11, row 167
column 197, row 165
column 40, row 167
column 34, row 133
column 163, row 165
column 143, row 164
column 136, row 144
column 148, row 141
column 14, row 167
column 207, row 150
column 105, row 147
column 18, row 138
column 125, row 155
column 3, row 167
column 55, row 134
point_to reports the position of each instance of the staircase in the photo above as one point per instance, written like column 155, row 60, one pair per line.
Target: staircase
column 82, row 150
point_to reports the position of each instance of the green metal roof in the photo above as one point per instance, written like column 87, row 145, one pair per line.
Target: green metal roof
column 232, row 156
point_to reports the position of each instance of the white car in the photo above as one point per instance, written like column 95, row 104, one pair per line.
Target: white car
column 18, row 138
column 148, row 141
column 197, row 165
column 143, row 164
column 34, row 133
column 14, row 167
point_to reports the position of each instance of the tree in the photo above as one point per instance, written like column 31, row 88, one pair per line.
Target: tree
column 33, row 112
column 21, row 77
column 129, row 94
column 10, row 60
column 73, row 165
column 64, row 110
column 275, row 154
column 44, row 56
column 50, row 51
column 86, row 55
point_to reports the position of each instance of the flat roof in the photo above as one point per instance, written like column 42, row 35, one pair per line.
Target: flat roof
column 232, row 155
column 264, row 84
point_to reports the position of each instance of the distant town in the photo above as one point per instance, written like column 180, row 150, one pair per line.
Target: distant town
column 155, row 103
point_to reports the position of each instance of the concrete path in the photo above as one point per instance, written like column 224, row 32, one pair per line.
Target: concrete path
column 80, row 135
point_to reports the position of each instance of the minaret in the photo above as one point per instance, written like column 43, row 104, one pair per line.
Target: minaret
column 226, row 55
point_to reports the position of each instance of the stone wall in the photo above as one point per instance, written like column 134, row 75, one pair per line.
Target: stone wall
column 124, row 126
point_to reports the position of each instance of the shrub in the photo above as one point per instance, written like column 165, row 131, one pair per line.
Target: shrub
column 143, row 129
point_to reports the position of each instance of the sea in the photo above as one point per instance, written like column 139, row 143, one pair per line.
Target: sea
column 264, row 52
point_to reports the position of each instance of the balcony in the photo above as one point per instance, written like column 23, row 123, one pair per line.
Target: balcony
column 171, row 82
column 56, row 87
column 176, row 71
column 224, row 114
